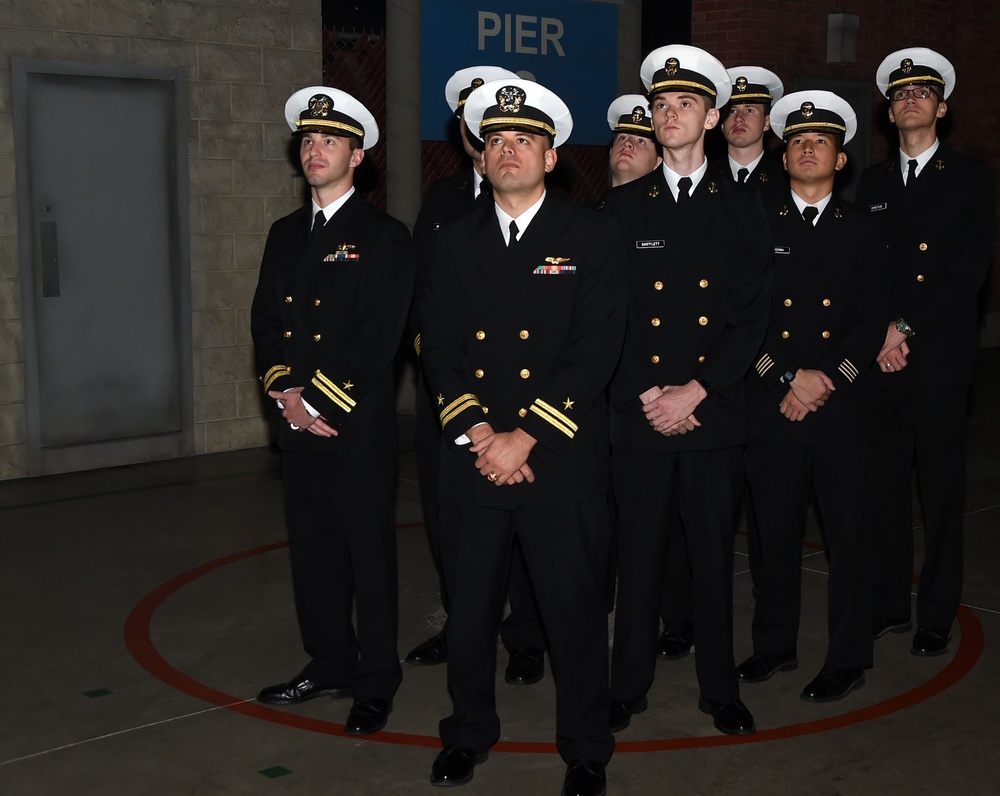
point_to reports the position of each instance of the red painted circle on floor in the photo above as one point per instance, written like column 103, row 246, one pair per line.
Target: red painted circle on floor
column 140, row 646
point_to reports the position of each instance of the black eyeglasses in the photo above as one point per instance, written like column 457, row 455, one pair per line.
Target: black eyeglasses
column 920, row 93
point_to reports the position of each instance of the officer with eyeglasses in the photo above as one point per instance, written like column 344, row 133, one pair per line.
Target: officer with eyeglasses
column 937, row 208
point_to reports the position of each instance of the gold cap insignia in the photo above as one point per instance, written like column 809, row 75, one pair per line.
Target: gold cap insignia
column 320, row 105
column 807, row 110
column 638, row 114
column 741, row 83
column 672, row 65
column 509, row 98
column 906, row 65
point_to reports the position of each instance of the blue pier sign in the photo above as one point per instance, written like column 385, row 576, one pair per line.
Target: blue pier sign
column 569, row 46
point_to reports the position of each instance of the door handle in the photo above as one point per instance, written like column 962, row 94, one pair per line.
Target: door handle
column 50, row 259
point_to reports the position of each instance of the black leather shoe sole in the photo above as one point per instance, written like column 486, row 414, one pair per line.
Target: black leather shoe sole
column 884, row 626
column 455, row 766
column 432, row 652
column 673, row 646
column 829, row 687
column 928, row 643
column 732, row 718
column 585, row 778
column 758, row 668
column 367, row 716
column 526, row 667
column 621, row 713
column 293, row 693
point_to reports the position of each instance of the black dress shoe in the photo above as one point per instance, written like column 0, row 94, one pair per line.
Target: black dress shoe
column 832, row 683
column 758, row 668
column 930, row 641
column 455, row 765
column 621, row 713
column 732, row 718
column 299, row 690
column 367, row 716
column 430, row 652
column 883, row 625
column 526, row 666
column 674, row 643
column 585, row 778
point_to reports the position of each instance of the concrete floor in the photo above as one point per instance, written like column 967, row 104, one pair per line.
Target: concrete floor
column 143, row 608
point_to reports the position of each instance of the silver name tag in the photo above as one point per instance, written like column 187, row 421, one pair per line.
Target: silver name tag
column 649, row 244
column 782, row 249
column 876, row 208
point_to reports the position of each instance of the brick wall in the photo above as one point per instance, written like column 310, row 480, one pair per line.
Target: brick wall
column 790, row 39
column 242, row 59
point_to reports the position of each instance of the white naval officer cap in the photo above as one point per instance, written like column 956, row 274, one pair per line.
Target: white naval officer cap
column 322, row 109
column 754, row 85
column 681, row 67
column 813, row 111
column 630, row 114
column 518, row 104
column 915, row 66
column 461, row 84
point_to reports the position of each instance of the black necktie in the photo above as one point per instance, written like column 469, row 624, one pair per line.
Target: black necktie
column 513, row 234
column 683, row 190
column 741, row 176
column 911, row 172
column 318, row 221
column 809, row 214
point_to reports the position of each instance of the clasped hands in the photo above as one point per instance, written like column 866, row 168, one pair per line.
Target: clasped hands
column 295, row 412
column 670, row 409
column 810, row 390
column 502, row 456
column 895, row 350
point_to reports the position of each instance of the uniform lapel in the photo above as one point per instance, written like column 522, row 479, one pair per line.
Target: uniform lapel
column 336, row 232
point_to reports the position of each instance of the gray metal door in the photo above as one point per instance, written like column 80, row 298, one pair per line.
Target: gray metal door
column 102, row 213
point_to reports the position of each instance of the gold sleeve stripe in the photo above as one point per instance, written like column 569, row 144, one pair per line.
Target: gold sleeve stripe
column 764, row 364
column 461, row 399
column 416, row 344
column 847, row 368
column 552, row 421
column 321, row 386
column 323, row 381
column 557, row 414
column 274, row 374
column 448, row 416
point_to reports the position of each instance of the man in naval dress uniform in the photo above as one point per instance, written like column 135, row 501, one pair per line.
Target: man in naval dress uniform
column 330, row 307
column 447, row 199
column 698, row 268
column 809, row 418
column 522, row 327
column 937, row 209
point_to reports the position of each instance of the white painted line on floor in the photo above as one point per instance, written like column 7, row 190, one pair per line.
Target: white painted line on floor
column 123, row 732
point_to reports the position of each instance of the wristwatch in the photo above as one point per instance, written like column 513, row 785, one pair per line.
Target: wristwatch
column 788, row 378
column 903, row 327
